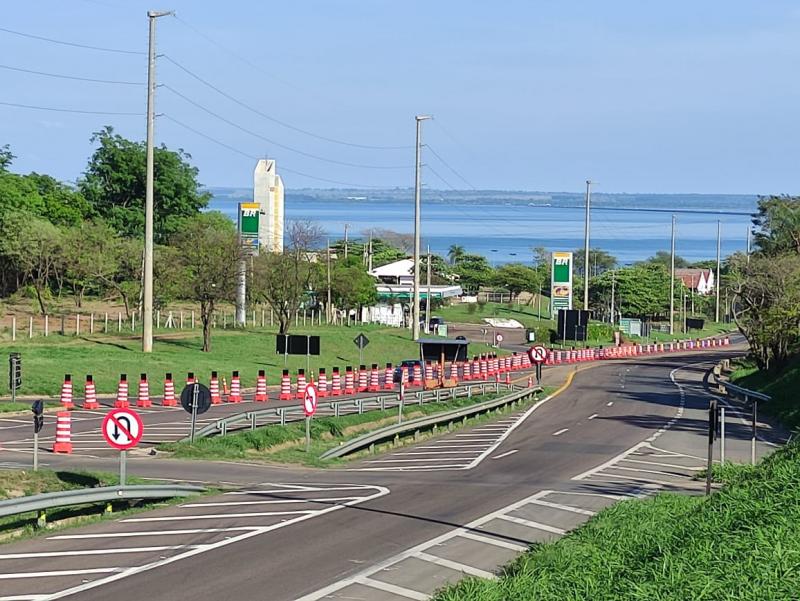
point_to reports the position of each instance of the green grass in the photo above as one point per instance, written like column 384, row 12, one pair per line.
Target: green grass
column 46, row 360
column 286, row 444
column 782, row 385
column 741, row 543
column 474, row 313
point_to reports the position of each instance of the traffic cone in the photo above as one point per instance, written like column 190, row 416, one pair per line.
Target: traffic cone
column 63, row 442
column 349, row 381
column 169, row 392
column 261, row 387
column 508, row 378
column 336, row 382
column 213, row 387
column 417, row 374
column 122, row 393
column 322, row 385
column 404, row 375
column 90, row 396
column 301, row 384
column 286, row 386
column 362, row 378
column 530, row 381
column 66, row 393
column 226, row 393
column 143, row 399
column 388, row 377
column 454, row 372
column 190, row 378
column 374, row 380
column 235, row 395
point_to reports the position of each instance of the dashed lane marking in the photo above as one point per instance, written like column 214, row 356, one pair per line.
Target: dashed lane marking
column 506, row 454
column 560, row 432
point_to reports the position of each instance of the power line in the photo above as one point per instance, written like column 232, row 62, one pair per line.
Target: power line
column 73, row 44
column 278, row 144
column 446, row 164
column 273, row 119
column 446, row 183
column 256, row 158
column 73, row 77
column 63, row 110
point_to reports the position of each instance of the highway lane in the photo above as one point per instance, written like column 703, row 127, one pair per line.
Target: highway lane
column 609, row 409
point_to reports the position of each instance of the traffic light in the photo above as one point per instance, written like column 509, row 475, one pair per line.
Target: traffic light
column 14, row 371
column 38, row 415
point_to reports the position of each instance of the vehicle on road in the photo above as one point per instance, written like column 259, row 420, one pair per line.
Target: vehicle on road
column 409, row 365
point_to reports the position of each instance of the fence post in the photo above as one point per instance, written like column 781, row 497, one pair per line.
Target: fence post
column 224, row 320
column 78, row 324
column 13, row 327
column 282, row 413
column 63, row 325
column 181, row 319
column 262, row 318
column 30, row 326
column 46, row 325
column 252, row 421
column 105, row 324
column 254, row 318
column 133, row 321
column 271, row 316
column 158, row 319
column 91, row 322
column 119, row 322
column 193, row 319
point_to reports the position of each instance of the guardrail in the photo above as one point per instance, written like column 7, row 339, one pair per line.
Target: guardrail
column 284, row 415
column 88, row 496
column 431, row 421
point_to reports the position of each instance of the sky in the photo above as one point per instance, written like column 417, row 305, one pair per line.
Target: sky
column 668, row 97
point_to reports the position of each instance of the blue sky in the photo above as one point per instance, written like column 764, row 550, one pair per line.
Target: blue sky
column 679, row 96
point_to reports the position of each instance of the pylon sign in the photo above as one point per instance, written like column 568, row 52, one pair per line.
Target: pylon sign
column 249, row 220
column 561, row 282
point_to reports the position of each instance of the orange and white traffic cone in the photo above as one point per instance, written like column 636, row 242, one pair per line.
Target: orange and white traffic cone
column 235, row 395
column 226, row 393
column 530, row 381
column 213, row 387
column 301, row 384
column 143, row 400
column 388, row 377
column 336, row 383
column 66, row 393
column 63, row 442
column 362, row 378
column 169, row 392
column 121, row 401
column 190, row 379
column 374, row 381
column 349, row 381
column 322, row 386
column 261, row 387
column 90, row 394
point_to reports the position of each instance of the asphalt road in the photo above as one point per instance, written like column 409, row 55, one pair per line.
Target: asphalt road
column 582, row 442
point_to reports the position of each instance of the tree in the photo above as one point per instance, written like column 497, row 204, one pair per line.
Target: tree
column 284, row 280
column 210, row 259
column 352, row 287
column 640, row 290
column 6, row 157
column 664, row 258
column 473, row 271
column 599, row 261
column 517, row 278
column 114, row 185
column 455, row 252
column 39, row 253
column 778, row 225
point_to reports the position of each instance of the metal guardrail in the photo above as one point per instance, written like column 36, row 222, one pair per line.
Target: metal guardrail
column 414, row 425
column 743, row 392
column 87, row 496
column 284, row 415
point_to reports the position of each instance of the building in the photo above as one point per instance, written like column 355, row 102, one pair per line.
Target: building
column 700, row 281
column 396, row 283
column 268, row 193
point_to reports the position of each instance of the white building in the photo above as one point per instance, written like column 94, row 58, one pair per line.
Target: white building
column 268, row 192
column 700, row 281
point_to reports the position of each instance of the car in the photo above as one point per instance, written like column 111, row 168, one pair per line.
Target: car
column 408, row 364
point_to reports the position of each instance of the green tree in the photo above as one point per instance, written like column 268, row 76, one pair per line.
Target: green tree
column 640, row 291
column 517, row 278
column 39, row 253
column 664, row 258
column 778, row 225
column 455, row 252
column 114, row 185
column 210, row 259
column 6, row 157
column 599, row 261
column 473, row 272
column 352, row 287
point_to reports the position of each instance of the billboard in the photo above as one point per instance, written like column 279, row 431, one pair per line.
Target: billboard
column 249, row 215
column 561, row 282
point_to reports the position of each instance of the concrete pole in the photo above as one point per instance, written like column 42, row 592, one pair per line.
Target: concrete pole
column 613, row 289
column 586, row 246
column 672, row 282
column 748, row 243
column 241, row 294
column 428, row 309
column 719, row 260
column 417, row 184
column 346, row 227
column 328, row 303
column 147, row 289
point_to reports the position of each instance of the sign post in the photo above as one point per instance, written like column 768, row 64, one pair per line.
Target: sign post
column 309, row 408
column 38, row 423
column 713, row 417
column 361, row 342
column 14, row 374
column 122, row 429
column 195, row 400
column 561, row 282
column 402, row 398
column 538, row 355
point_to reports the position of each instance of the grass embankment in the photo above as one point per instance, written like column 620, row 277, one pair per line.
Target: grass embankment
column 782, row 385
column 742, row 542
column 286, row 444
column 46, row 360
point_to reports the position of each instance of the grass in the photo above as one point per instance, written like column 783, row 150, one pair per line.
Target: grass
column 782, row 385
column 19, row 406
column 46, row 360
column 527, row 315
column 741, row 543
column 286, row 444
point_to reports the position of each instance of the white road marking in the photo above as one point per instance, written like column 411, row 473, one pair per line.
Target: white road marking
column 592, row 416
column 560, row 432
column 150, row 533
column 270, row 502
column 394, row 589
column 439, row 453
column 455, row 565
column 506, row 454
column 488, row 540
column 531, row 524
column 609, row 403
column 24, row 598
column 58, row 573
column 681, row 467
column 94, row 552
column 563, row 507
column 217, row 516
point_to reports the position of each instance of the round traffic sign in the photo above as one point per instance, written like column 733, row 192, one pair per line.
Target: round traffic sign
column 310, row 400
column 499, row 338
column 538, row 354
column 122, row 428
column 203, row 398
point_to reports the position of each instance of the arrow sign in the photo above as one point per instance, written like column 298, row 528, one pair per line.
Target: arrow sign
column 122, row 428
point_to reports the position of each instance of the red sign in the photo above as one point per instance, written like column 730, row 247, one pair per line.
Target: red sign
column 310, row 400
column 538, row 354
column 122, row 428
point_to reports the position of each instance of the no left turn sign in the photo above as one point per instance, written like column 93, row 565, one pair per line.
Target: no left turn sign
column 122, row 428
column 310, row 400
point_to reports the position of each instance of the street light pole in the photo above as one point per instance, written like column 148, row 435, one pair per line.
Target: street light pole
column 672, row 283
column 719, row 258
column 417, row 183
column 428, row 309
column 586, row 246
column 147, row 289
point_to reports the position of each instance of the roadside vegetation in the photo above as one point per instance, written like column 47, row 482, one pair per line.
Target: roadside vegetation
column 781, row 384
column 743, row 543
column 286, row 444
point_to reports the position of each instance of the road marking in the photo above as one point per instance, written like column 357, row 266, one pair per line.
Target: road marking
column 269, row 502
column 401, row 591
column 217, row 516
column 563, row 507
column 400, row 468
column 293, row 489
column 58, row 573
column 681, row 467
column 150, row 533
column 94, row 552
column 592, row 416
column 441, row 452
column 560, row 432
column 24, row 598
column 488, row 540
column 531, row 524
column 411, row 460
column 455, row 565
column 609, row 403
column 506, row 454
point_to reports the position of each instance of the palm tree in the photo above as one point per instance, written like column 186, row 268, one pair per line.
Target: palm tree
column 455, row 252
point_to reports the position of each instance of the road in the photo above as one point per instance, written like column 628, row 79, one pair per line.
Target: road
column 623, row 428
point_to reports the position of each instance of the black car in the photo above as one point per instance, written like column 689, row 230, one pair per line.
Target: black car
column 408, row 364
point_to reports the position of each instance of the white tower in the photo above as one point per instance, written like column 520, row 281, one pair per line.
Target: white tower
column 268, row 192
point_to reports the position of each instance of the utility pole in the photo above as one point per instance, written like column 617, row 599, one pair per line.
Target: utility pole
column 369, row 256
column 147, row 289
column 613, row 284
column 346, row 227
column 719, row 259
column 428, row 309
column 672, row 283
column 748, row 243
column 586, row 246
column 328, row 304
column 417, row 184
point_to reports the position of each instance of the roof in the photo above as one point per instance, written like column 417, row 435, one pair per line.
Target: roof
column 443, row 341
column 396, row 269
column 691, row 276
column 695, row 271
